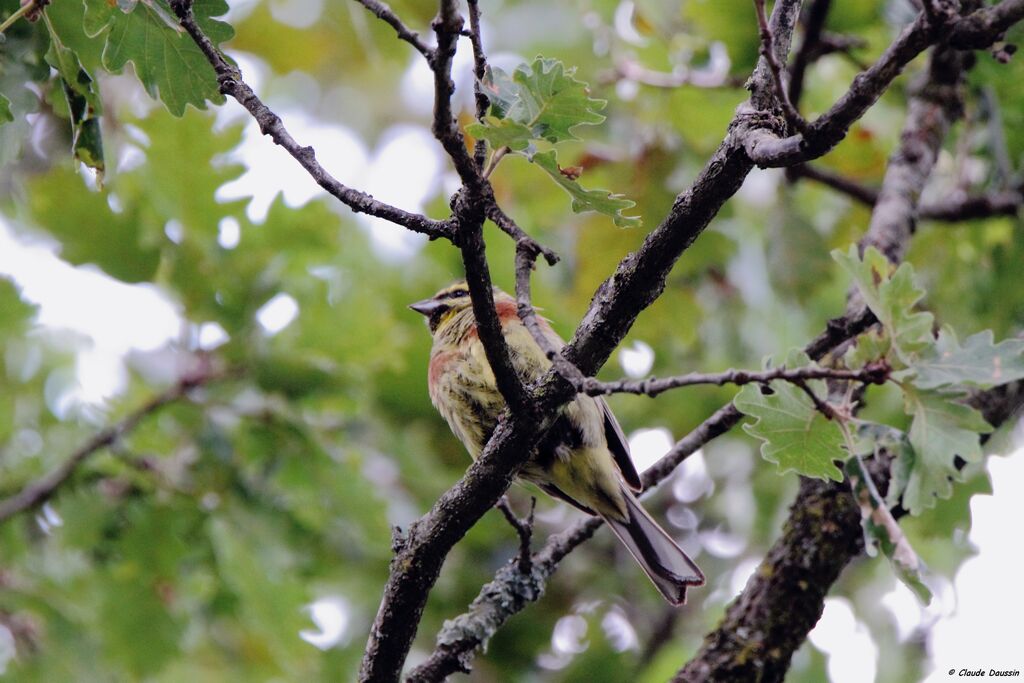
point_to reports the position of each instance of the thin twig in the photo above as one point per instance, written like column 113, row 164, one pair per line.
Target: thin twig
column 384, row 12
column 851, row 188
column 230, row 80
column 810, row 47
column 448, row 27
column 25, row 10
column 775, row 68
column 479, row 71
column 41, row 490
column 523, row 528
column 949, row 210
column 521, row 238
column 492, row 163
column 877, row 373
column 525, row 259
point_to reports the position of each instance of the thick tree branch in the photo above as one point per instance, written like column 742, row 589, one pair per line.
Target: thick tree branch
column 783, row 599
column 640, row 277
column 936, row 103
column 230, row 80
column 41, row 490
column 986, row 26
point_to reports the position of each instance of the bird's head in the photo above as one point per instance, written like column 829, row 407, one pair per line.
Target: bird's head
column 445, row 307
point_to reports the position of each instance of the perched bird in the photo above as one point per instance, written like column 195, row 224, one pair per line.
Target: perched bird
column 584, row 458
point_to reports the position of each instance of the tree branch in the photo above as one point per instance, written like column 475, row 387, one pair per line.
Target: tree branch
column 448, row 27
column 951, row 209
column 230, row 80
column 479, row 71
column 789, row 110
column 814, row 24
column 783, row 599
column 384, row 12
column 869, row 374
column 523, row 528
column 986, row 26
column 977, row 30
column 41, row 490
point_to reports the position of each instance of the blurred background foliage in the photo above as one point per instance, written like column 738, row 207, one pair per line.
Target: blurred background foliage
column 244, row 534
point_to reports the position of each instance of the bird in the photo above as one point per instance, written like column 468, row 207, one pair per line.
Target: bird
column 583, row 459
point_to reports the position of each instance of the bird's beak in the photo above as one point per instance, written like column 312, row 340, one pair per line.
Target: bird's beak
column 426, row 307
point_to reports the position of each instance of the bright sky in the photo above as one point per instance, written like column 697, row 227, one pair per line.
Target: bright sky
column 973, row 628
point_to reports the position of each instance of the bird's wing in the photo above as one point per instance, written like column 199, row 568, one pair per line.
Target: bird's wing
column 556, row 492
column 619, row 447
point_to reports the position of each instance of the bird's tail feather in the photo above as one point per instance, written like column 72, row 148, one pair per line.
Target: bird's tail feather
column 669, row 568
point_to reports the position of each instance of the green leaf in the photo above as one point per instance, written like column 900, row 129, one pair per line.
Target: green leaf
column 795, row 435
column 502, row 133
column 83, row 102
column 66, row 20
column 891, row 296
column 542, row 97
column 601, row 201
column 166, row 60
column 979, row 361
column 5, row 110
column 882, row 532
column 86, row 137
column 870, row 346
column 941, row 430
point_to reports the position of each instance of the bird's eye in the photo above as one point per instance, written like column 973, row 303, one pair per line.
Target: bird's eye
column 454, row 294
